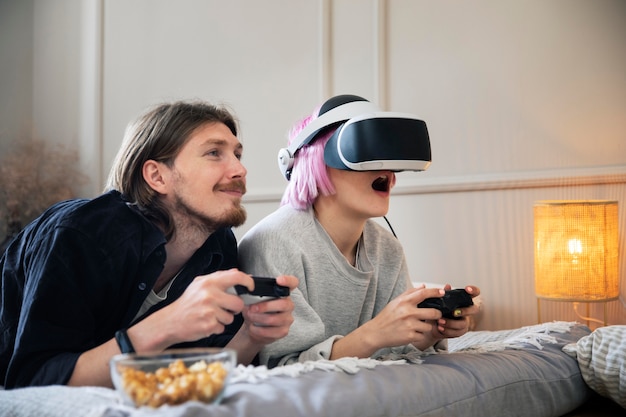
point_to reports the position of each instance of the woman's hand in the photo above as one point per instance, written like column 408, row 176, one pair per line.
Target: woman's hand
column 401, row 322
column 449, row 328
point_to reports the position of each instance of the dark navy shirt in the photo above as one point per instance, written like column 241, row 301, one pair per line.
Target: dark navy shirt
column 79, row 273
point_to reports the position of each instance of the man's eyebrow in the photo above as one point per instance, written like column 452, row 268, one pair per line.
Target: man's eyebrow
column 220, row 142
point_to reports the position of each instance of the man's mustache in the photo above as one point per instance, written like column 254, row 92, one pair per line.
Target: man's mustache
column 234, row 186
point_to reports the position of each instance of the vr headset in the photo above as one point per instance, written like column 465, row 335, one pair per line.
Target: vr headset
column 366, row 139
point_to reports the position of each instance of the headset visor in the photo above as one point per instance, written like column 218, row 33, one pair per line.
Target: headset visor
column 380, row 141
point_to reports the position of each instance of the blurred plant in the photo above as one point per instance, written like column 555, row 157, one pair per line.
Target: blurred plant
column 33, row 176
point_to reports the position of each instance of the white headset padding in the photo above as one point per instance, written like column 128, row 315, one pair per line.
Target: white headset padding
column 285, row 162
column 286, row 156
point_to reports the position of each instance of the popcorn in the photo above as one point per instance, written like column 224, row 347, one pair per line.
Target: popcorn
column 174, row 384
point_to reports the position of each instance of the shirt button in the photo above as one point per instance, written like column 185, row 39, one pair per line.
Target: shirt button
column 142, row 286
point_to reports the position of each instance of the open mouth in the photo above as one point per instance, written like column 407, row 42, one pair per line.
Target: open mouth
column 381, row 183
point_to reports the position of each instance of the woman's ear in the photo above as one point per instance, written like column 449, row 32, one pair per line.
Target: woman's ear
column 155, row 175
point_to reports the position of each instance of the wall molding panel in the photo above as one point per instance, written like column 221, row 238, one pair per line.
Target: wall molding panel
column 489, row 182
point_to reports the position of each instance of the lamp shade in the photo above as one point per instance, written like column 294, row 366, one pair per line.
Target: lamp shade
column 576, row 250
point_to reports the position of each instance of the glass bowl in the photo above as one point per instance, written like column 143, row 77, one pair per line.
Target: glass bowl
column 173, row 376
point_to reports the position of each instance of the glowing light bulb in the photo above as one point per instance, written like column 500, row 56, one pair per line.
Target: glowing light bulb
column 575, row 248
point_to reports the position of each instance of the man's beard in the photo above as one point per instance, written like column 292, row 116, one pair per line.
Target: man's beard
column 232, row 218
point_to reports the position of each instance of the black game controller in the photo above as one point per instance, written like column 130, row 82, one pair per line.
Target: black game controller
column 451, row 300
column 264, row 289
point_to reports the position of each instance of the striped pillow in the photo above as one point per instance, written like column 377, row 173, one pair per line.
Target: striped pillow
column 602, row 360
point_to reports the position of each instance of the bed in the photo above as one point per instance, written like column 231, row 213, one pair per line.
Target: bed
column 531, row 371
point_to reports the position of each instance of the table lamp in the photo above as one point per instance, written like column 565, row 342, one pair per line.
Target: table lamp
column 576, row 251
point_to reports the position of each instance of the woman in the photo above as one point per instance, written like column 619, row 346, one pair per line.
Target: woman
column 354, row 297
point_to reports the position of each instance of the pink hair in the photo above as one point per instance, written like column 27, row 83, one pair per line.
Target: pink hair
column 309, row 176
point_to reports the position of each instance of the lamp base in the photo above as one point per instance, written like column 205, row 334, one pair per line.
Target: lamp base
column 586, row 318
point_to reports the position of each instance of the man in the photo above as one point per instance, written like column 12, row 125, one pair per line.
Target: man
column 143, row 267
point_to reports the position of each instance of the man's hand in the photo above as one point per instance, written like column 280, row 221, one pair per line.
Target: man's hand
column 264, row 322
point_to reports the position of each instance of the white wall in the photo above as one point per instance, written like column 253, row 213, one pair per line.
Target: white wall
column 16, row 65
column 523, row 101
